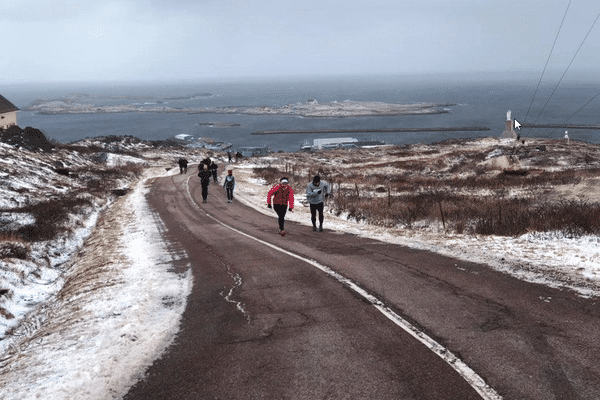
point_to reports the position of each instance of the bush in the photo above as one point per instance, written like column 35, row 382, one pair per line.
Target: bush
column 481, row 200
column 13, row 247
column 50, row 217
column 28, row 138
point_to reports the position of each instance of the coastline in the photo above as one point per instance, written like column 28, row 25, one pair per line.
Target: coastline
column 310, row 109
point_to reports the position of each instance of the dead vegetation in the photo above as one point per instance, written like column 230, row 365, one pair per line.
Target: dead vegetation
column 13, row 246
column 52, row 216
column 52, row 185
column 482, row 186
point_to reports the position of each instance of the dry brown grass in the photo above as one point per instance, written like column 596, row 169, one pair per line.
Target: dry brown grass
column 52, row 214
column 451, row 184
column 13, row 246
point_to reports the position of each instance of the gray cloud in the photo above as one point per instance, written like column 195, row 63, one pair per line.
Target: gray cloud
column 168, row 39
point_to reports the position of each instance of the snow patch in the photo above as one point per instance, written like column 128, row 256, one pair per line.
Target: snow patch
column 123, row 309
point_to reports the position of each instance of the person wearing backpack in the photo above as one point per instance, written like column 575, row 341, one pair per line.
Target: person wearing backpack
column 282, row 194
column 183, row 163
column 204, row 176
column 316, row 192
column 229, row 185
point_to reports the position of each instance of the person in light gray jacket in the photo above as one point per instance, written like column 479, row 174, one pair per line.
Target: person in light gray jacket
column 229, row 185
column 316, row 193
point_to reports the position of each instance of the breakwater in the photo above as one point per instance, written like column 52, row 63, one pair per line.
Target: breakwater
column 377, row 130
column 560, row 126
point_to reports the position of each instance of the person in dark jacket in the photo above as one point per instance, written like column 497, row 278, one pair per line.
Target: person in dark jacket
column 229, row 185
column 204, row 162
column 204, row 176
column 214, row 168
column 183, row 163
column 282, row 194
column 316, row 192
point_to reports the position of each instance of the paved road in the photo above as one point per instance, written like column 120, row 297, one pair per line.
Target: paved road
column 262, row 324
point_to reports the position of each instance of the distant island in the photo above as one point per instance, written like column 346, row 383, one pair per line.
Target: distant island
column 219, row 124
column 83, row 104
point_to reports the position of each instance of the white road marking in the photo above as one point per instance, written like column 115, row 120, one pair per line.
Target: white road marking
column 476, row 382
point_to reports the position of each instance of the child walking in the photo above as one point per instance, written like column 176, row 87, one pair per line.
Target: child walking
column 282, row 194
column 229, row 185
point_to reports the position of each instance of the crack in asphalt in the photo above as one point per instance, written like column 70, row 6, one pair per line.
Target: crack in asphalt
column 237, row 282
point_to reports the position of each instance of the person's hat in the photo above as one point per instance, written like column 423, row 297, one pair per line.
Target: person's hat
column 316, row 179
column 284, row 180
column 229, row 171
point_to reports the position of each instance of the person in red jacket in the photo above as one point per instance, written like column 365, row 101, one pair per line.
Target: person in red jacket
column 282, row 194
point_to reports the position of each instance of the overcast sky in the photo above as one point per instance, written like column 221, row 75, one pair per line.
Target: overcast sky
column 69, row 40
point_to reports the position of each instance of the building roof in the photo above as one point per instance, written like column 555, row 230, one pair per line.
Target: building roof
column 6, row 106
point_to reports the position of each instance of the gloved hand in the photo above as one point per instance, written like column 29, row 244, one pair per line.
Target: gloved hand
column 326, row 195
column 319, row 191
column 269, row 206
column 290, row 210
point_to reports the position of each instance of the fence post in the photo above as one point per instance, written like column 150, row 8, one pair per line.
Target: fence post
column 356, row 187
column 442, row 214
column 389, row 197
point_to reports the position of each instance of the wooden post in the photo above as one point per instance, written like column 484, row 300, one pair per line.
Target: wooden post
column 356, row 187
column 442, row 214
column 500, row 215
column 389, row 197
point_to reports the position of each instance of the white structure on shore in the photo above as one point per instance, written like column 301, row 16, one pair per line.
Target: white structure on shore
column 8, row 113
column 509, row 128
column 332, row 143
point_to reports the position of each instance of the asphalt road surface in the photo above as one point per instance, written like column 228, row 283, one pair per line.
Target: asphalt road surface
column 263, row 323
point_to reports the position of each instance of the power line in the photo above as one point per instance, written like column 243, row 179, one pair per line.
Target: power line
column 580, row 108
column 573, row 59
column 549, row 55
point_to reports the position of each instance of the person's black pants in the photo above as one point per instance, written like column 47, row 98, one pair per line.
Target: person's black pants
column 229, row 193
column 313, row 213
column 204, row 191
column 280, row 210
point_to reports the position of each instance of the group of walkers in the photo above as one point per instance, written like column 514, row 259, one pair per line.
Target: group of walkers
column 283, row 200
column 238, row 155
column 280, row 198
column 208, row 169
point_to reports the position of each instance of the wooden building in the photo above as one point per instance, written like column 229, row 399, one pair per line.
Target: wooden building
column 8, row 113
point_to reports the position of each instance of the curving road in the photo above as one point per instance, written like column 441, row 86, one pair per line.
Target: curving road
column 264, row 321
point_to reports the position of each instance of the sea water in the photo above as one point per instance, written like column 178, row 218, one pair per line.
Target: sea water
column 477, row 102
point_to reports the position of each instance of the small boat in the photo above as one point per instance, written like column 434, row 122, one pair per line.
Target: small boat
column 218, row 146
column 306, row 146
column 254, row 151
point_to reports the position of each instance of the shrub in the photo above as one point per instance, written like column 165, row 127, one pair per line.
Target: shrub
column 481, row 200
column 50, row 217
column 12, row 246
column 28, row 138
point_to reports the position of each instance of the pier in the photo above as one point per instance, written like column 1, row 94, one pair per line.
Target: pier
column 379, row 130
